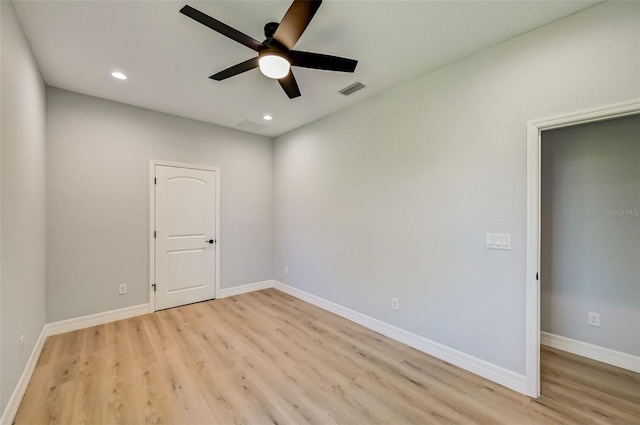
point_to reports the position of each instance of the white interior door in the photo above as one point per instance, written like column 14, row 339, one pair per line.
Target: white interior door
column 185, row 242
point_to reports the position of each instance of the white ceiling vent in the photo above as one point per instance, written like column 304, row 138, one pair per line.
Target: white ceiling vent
column 352, row 88
column 251, row 126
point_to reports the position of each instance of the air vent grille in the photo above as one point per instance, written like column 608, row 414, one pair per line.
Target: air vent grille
column 352, row 88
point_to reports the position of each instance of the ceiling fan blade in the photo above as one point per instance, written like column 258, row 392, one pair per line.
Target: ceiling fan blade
column 220, row 27
column 236, row 69
column 295, row 21
column 319, row 61
column 289, row 85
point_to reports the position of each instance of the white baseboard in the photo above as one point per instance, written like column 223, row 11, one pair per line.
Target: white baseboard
column 590, row 351
column 83, row 322
column 14, row 402
column 465, row 361
column 243, row 289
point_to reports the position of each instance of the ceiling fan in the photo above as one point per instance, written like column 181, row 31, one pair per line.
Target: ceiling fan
column 275, row 54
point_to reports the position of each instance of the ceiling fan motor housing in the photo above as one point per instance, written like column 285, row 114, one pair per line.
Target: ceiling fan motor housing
column 270, row 29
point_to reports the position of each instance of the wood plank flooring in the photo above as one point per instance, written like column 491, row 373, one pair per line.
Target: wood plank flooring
column 268, row 358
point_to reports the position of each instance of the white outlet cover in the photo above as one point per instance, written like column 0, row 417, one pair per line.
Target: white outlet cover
column 395, row 304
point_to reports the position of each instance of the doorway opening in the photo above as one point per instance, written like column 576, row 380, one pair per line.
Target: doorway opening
column 535, row 130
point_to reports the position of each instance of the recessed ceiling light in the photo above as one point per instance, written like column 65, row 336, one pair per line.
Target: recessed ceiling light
column 119, row 75
column 267, row 117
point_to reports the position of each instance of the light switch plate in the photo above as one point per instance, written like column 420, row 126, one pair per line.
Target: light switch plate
column 498, row 241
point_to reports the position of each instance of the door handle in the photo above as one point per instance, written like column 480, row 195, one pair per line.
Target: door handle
column 211, row 241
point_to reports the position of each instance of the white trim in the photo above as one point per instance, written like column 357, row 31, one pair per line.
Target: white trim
column 152, row 223
column 534, row 130
column 218, row 234
column 472, row 364
column 601, row 113
column 532, row 325
column 152, row 239
column 83, row 322
column 243, row 289
column 16, row 397
column 590, row 351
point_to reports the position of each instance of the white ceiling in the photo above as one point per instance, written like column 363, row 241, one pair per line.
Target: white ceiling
column 168, row 57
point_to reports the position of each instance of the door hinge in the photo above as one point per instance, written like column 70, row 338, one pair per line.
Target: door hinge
column 154, row 234
column 155, row 180
column 537, row 276
column 154, row 287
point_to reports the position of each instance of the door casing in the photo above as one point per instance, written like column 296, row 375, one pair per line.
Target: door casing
column 152, row 224
column 534, row 138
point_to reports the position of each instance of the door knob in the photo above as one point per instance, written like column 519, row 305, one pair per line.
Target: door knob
column 211, row 241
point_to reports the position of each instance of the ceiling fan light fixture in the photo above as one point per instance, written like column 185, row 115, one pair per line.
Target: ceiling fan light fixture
column 275, row 54
column 274, row 65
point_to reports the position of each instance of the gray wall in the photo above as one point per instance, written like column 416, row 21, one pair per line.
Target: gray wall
column 393, row 197
column 591, row 233
column 22, row 200
column 98, row 186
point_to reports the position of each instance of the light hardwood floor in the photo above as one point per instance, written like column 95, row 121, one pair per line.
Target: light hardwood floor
column 268, row 358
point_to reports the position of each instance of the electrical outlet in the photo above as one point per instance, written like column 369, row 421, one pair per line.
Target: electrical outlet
column 286, row 269
column 122, row 289
column 593, row 319
column 395, row 304
column 21, row 344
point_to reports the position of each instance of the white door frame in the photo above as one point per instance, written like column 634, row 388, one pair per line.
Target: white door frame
column 534, row 131
column 152, row 224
